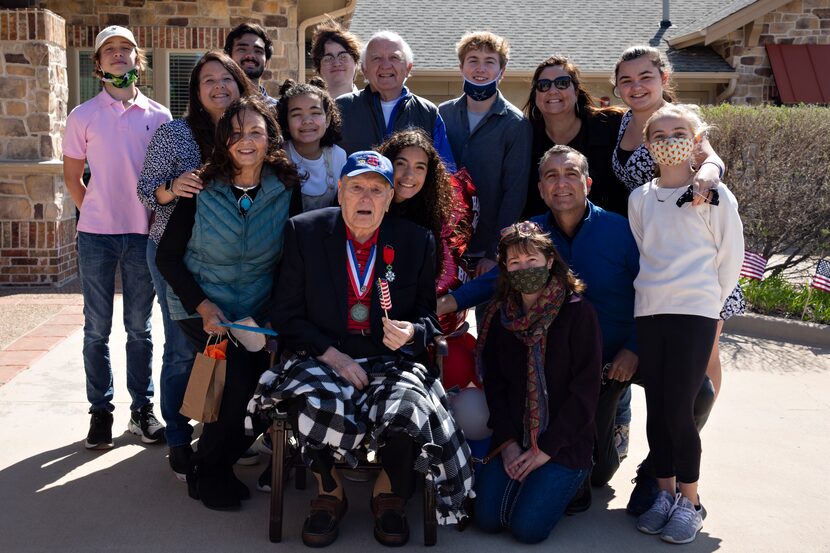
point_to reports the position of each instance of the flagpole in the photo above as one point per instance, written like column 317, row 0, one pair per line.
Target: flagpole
column 807, row 301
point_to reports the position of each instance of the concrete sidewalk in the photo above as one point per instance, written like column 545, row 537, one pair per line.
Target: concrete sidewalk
column 762, row 478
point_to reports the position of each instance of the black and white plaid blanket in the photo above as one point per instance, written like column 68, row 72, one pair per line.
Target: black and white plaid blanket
column 401, row 397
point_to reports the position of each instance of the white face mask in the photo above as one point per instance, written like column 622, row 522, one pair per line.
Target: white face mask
column 671, row 151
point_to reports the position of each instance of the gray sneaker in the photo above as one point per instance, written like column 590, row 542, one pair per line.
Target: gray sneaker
column 655, row 519
column 684, row 524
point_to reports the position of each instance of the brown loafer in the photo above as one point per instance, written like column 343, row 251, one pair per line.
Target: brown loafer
column 391, row 528
column 322, row 525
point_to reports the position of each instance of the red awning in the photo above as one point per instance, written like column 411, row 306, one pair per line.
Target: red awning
column 802, row 72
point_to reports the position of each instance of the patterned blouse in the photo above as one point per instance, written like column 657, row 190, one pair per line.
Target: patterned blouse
column 172, row 151
column 638, row 169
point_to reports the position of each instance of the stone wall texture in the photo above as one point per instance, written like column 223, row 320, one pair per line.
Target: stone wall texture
column 37, row 217
column 33, row 85
column 798, row 22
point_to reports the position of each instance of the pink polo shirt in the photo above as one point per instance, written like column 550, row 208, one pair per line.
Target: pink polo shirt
column 114, row 142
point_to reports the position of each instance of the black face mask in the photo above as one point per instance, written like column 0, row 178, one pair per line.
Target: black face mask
column 481, row 92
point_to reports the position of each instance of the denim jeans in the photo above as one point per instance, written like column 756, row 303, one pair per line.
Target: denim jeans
column 176, row 363
column 99, row 256
column 623, row 416
column 530, row 509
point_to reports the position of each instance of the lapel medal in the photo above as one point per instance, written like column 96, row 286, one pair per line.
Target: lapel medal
column 388, row 258
column 359, row 312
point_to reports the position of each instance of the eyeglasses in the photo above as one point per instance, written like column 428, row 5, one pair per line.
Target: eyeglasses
column 523, row 228
column 342, row 57
column 562, row 83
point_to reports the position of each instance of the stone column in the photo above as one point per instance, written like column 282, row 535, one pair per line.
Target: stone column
column 37, row 216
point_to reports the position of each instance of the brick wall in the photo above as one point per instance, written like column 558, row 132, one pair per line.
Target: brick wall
column 187, row 24
column 798, row 22
column 37, row 223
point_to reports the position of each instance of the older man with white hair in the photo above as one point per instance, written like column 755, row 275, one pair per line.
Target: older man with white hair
column 386, row 105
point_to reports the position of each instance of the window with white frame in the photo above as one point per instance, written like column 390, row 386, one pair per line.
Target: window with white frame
column 179, row 69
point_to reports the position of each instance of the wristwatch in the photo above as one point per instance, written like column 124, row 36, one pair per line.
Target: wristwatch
column 168, row 186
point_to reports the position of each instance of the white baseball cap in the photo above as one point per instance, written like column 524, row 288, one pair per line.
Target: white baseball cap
column 112, row 31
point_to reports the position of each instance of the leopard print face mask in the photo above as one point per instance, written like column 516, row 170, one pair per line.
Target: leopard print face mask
column 671, row 151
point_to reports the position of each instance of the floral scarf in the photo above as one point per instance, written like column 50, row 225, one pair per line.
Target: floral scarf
column 532, row 329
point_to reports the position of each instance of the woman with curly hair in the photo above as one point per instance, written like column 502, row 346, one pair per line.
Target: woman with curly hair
column 426, row 194
column 219, row 253
column 312, row 121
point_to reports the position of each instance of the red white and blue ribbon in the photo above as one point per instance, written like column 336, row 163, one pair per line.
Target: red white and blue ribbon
column 359, row 279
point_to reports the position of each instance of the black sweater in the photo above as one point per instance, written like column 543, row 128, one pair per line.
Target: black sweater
column 573, row 363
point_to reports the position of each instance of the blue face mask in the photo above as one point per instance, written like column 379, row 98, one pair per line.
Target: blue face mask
column 481, row 92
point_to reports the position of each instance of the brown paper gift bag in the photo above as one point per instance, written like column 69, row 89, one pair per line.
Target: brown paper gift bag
column 203, row 397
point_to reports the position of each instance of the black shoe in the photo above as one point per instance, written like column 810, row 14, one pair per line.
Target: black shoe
column 391, row 527
column 145, row 424
column 242, row 491
column 322, row 525
column 100, row 430
column 218, row 490
column 644, row 493
column 179, row 458
column 581, row 501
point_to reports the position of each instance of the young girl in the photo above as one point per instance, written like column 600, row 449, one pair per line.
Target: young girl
column 690, row 260
column 311, row 120
column 642, row 80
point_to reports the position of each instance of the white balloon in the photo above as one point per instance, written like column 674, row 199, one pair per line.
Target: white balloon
column 469, row 409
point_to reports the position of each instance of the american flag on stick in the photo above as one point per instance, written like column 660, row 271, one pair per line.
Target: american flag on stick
column 821, row 279
column 753, row 266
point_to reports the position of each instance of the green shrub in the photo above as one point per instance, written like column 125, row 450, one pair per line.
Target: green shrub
column 777, row 297
column 778, row 166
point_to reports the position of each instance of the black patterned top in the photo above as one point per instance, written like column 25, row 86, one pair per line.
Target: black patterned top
column 172, row 151
column 638, row 169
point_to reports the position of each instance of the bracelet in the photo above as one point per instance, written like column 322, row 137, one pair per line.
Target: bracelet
column 721, row 170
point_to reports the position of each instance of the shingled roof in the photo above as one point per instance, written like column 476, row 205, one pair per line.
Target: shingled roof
column 593, row 33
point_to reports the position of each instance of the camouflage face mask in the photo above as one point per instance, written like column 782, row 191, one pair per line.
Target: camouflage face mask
column 121, row 81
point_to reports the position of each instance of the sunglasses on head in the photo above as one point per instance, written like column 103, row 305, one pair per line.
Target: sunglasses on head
column 562, row 83
column 523, row 228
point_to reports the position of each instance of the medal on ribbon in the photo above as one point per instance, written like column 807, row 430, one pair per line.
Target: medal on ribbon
column 388, row 258
column 359, row 280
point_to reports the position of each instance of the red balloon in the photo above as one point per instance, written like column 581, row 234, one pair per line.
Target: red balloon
column 460, row 364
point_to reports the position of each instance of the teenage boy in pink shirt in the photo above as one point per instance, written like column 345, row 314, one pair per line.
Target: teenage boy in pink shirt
column 110, row 132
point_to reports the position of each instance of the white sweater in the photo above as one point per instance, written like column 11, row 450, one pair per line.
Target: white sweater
column 690, row 257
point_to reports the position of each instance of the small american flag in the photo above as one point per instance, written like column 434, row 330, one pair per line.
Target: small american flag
column 821, row 280
column 754, row 266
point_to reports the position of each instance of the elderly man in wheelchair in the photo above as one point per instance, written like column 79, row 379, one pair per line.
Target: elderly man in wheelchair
column 355, row 303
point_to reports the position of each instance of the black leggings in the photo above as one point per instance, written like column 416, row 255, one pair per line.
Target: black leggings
column 606, row 458
column 224, row 441
column 674, row 353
